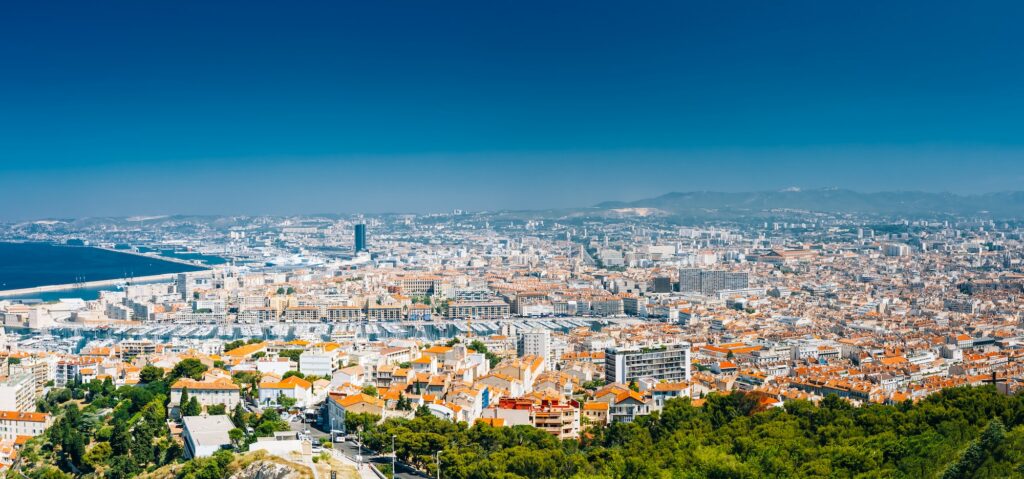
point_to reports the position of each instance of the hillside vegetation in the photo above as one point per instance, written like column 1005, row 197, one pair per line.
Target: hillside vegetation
column 959, row 433
column 102, row 431
column 969, row 432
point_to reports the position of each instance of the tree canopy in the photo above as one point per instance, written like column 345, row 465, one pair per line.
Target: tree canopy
column 188, row 368
column 100, row 430
column 961, row 432
column 967, row 432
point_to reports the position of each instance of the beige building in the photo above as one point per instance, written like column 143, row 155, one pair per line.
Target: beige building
column 207, row 393
column 20, row 423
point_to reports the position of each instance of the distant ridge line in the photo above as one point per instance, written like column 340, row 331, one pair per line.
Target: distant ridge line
column 1009, row 204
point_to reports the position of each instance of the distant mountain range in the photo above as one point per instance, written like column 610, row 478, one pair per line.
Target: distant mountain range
column 701, row 203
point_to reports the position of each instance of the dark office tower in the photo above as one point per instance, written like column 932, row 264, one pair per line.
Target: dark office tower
column 360, row 237
column 662, row 284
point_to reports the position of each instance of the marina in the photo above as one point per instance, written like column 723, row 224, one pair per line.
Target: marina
column 73, row 338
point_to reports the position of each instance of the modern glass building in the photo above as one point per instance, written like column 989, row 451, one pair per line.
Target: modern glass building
column 360, row 243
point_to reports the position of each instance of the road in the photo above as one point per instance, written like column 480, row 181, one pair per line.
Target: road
column 351, row 451
column 316, row 434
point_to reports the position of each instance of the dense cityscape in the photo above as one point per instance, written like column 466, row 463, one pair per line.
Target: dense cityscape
column 511, row 240
column 338, row 326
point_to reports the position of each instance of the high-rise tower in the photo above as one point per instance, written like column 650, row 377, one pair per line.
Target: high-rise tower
column 360, row 243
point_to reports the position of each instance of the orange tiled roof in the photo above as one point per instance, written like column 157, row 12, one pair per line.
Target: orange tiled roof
column 246, row 350
column 353, row 399
column 492, row 421
column 291, row 382
column 23, row 416
column 217, row 384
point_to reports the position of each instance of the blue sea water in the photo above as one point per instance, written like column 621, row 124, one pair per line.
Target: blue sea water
column 206, row 259
column 89, row 293
column 27, row 265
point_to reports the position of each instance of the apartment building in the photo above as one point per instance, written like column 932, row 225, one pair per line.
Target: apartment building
column 479, row 310
column 207, row 392
column 70, row 370
column 302, row 314
column 670, row 362
column 258, row 315
column 558, row 418
column 317, row 362
column 292, row 387
column 709, row 282
column 420, row 285
column 536, row 342
column 21, row 423
column 342, row 314
column 384, row 312
column 18, row 392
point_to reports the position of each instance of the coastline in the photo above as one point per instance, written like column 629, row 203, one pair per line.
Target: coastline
column 157, row 256
column 88, row 284
column 91, row 288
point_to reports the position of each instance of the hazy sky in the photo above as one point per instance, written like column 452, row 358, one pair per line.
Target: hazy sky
column 156, row 107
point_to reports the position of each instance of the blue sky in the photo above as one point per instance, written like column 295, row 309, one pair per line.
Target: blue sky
column 120, row 108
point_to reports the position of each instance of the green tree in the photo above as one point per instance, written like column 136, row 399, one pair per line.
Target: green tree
column 357, row 421
column 481, row 348
column 976, row 453
column 237, row 436
column 478, row 346
column 49, row 472
column 192, row 408
column 268, row 423
column 150, row 373
column 203, row 468
column 216, row 409
column 183, row 399
column 403, row 403
column 238, row 416
column 234, row 344
column 120, row 438
column 370, row 390
column 286, row 402
column 189, row 368
column 172, row 453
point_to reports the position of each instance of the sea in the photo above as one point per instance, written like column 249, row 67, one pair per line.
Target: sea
column 28, row 265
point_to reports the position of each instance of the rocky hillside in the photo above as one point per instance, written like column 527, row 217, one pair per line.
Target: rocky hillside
column 254, row 465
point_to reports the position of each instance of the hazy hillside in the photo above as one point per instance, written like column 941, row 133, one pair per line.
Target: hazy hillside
column 1004, row 205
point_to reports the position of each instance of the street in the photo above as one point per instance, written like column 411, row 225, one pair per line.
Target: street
column 350, row 450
